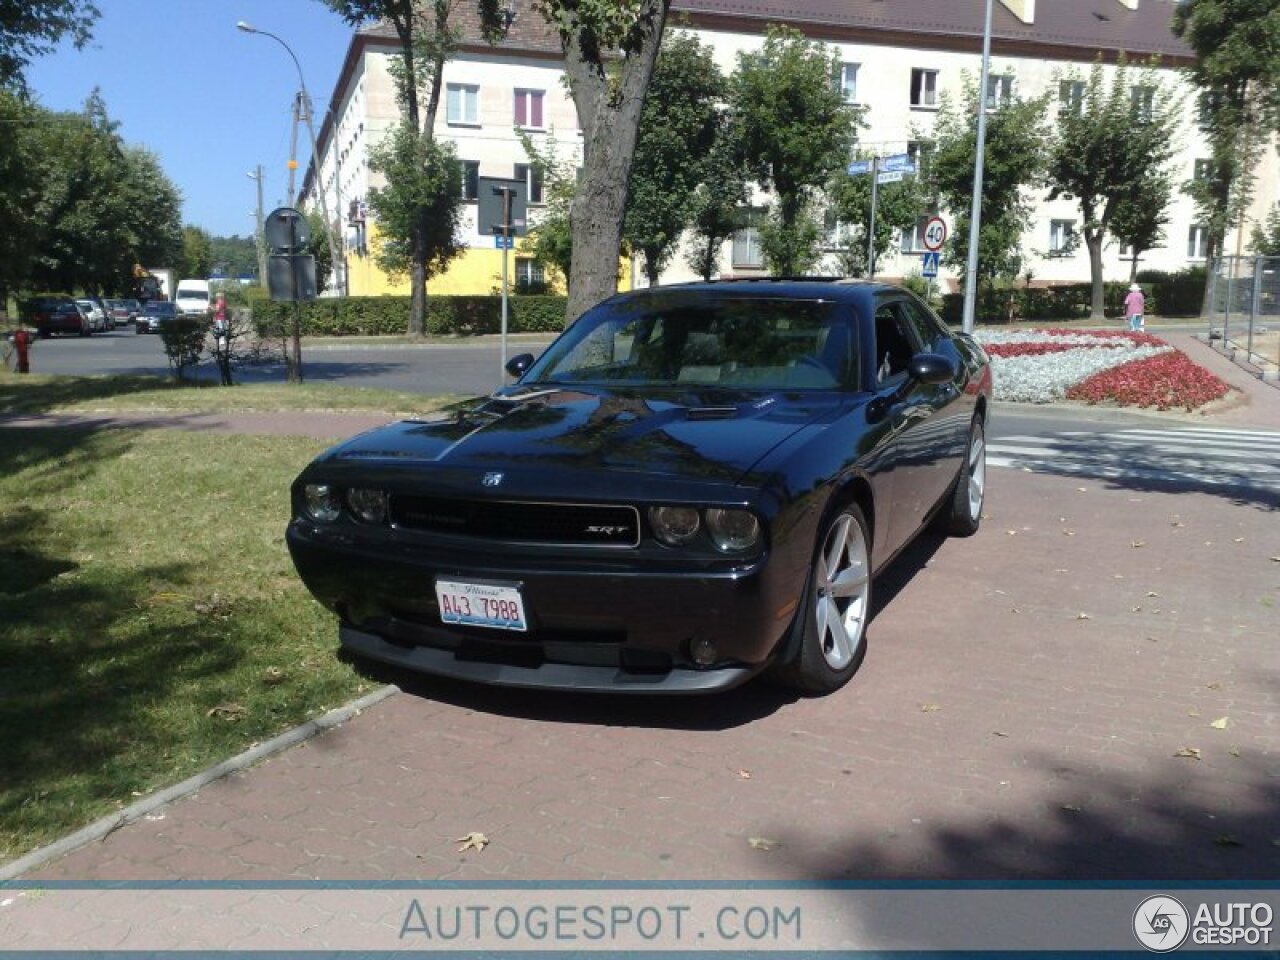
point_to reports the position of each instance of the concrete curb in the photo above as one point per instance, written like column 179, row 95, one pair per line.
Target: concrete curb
column 102, row 828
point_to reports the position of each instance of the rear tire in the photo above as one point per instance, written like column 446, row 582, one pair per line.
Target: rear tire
column 831, row 624
column 963, row 514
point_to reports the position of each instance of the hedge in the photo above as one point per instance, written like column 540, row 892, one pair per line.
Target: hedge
column 1175, row 297
column 373, row 316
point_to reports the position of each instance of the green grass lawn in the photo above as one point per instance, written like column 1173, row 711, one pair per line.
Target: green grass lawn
column 150, row 620
column 35, row 393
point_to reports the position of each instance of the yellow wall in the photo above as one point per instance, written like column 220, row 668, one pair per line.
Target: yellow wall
column 476, row 271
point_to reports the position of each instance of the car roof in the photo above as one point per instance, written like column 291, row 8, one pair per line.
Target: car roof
column 783, row 288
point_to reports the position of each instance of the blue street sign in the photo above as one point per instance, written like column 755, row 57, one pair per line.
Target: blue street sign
column 859, row 167
column 499, row 241
column 929, row 263
column 898, row 161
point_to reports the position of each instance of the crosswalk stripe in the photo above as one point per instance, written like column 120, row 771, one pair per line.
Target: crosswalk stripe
column 1196, row 456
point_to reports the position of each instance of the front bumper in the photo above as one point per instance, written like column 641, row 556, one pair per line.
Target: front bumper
column 598, row 621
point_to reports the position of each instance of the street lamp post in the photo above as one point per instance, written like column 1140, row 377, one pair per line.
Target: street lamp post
column 975, row 213
column 338, row 265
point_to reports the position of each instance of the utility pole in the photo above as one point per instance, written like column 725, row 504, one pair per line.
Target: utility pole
column 871, row 226
column 975, row 214
column 259, row 237
column 293, row 145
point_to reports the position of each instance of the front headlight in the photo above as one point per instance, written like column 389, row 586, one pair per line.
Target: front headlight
column 369, row 506
column 674, row 526
column 733, row 531
column 321, row 502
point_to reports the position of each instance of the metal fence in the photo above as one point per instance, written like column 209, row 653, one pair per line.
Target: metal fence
column 1246, row 317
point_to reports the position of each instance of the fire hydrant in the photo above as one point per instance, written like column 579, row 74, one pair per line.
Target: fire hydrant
column 22, row 345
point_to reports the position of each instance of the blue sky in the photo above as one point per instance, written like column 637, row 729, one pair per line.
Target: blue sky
column 210, row 101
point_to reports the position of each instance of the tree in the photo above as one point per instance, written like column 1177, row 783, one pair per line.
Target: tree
column 20, row 187
column 197, row 253
column 235, row 255
column 1015, row 156
column 550, row 235
column 795, row 131
column 32, row 28
column 1119, row 143
column 1238, row 74
column 1265, row 241
column 429, row 35
column 609, row 48
column 718, row 201
column 318, row 249
column 898, row 206
column 1140, row 216
column 419, row 212
column 677, row 132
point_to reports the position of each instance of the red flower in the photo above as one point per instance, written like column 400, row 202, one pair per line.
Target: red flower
column 1164, row 381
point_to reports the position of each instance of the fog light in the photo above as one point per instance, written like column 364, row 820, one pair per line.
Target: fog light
column 369, row 506
column 702, row 651
column 321, row 502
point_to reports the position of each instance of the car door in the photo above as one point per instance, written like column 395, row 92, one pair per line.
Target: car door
column 948, row 433
column 912, row 410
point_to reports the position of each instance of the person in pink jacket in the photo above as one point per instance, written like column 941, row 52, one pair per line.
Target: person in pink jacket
column 1135, row 305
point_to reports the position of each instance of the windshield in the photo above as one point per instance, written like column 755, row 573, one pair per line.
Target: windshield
column 764, row 343
column 193, row 294
column 163, row 308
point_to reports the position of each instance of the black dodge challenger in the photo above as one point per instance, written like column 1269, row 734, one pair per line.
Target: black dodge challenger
column 693, row 484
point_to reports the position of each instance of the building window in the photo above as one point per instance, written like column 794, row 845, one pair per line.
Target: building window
column 529, row 109
column 912, row 240
column 924, row 88
column 999, row 90
column 1202, row 170
column 746, row 242
column 531, row 177
column 1070, row 97
column 1205, row 107
column 1143, row 100
column 463, row 104
column 530, row 277
column 1061, row 237
column 913, row 152
column 1197, row 242
column 836, row 233
column 849, row 82
column 470, row 179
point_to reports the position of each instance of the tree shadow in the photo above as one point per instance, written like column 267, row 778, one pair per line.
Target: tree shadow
column 19, row 395
column 1120, row 827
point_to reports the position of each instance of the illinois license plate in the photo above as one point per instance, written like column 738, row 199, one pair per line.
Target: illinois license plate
column 477, row 604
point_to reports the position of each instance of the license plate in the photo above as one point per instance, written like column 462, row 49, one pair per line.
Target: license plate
column 477, row 604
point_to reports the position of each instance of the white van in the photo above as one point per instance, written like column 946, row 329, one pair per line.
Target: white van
column 192, row 296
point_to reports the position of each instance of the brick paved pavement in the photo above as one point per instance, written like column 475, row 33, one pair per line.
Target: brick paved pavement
column 1019, row 714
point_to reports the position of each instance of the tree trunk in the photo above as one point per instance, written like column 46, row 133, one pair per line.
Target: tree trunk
column 611, row 120
column 651, row 269
column 1097, row 302
column 1212, row 250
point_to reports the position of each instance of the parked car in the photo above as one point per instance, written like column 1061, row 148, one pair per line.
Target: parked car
column 96, row 315
column 135, row 309
column 118, row 313
column 54, row 314
column 691, row 485
column 154, row 313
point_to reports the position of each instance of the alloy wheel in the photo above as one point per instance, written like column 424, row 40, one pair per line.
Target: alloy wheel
column 843, row 578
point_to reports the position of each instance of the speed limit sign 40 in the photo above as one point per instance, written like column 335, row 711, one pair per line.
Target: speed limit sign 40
column 935, row 234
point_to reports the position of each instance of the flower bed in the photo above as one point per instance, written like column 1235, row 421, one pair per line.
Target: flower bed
column 1095, row 366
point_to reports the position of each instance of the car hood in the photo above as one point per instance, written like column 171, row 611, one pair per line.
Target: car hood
column 697, row 434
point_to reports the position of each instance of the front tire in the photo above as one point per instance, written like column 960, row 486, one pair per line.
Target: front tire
column 963, row 514
column 832, row 622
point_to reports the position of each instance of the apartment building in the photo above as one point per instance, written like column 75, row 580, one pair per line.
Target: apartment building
column 899, row 58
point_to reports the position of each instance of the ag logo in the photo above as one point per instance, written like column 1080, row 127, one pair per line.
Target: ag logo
column 1161, row 924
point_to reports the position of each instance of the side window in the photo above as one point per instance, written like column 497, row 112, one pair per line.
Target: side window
column 895, row 345
column 928, row 328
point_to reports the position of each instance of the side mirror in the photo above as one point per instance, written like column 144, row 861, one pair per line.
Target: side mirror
column 931, row 368
column 518, row 364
